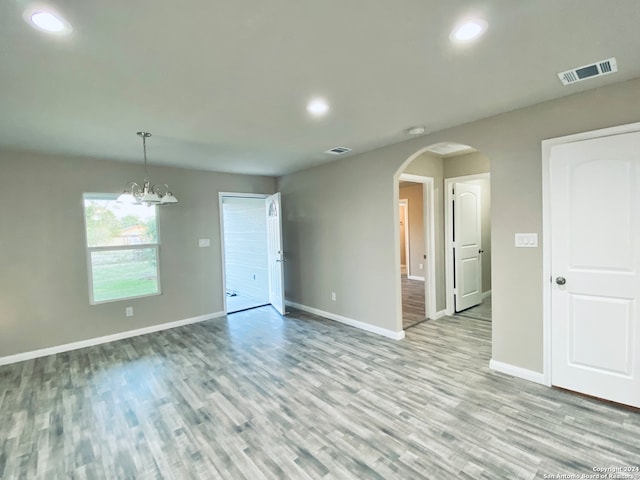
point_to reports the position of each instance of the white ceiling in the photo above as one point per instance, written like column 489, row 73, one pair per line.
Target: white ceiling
column 223, row 85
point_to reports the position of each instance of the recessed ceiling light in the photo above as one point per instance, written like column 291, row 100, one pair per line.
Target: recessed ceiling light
column 318, row 107
column 48, row 22
column 468, row 31
column 416, row 131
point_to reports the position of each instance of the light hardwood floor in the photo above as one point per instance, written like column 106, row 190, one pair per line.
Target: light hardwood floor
column 479, row 312
column 413, row 311
column 257, row 396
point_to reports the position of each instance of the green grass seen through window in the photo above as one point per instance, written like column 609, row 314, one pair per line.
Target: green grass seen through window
column 130, row 277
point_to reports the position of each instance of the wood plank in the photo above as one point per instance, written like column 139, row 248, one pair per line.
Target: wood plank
column 257, row 395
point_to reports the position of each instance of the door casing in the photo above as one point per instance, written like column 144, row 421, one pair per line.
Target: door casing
column 221, row 195
column 404, row 218
column 429, row 235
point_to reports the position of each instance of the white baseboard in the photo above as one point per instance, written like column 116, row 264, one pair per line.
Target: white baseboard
column 486, row 294
column 517, row 372
column 415, row 277
column 350, row 321
column 440, row 314
column 43, row 352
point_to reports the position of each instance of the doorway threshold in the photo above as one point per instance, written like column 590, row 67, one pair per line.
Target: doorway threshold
column 248, row 308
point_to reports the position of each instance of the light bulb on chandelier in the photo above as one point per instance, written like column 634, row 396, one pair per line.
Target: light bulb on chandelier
column 148, row 193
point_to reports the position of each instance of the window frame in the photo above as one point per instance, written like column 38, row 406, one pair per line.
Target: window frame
column 143, row 246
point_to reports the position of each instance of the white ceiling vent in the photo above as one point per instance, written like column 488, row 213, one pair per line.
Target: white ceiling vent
column 597, row 69
column 449, row 149
column 338, row 151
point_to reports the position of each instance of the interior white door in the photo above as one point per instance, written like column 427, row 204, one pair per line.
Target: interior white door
column 467, row 245
column 275, row 252
column 595, row 234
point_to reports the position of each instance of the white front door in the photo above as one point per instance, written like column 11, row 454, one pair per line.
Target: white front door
column 275, row 252
column 467, row 245
column 595, row 265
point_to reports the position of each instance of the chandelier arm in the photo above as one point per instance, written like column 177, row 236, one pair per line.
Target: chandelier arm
column 136, row 190
column 161, row 189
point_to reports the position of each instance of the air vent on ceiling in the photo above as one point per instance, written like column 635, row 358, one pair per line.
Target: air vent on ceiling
column 448, row 149
column 597, row 69
column 338, row 150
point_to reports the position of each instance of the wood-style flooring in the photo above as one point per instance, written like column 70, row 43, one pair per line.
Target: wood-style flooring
column 479, row 312
column 413, row 311
column 255, row 395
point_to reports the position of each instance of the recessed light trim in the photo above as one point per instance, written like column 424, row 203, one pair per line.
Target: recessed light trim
column 469, row 31
column 416, row 131
column 318, row 107
column 47, row 21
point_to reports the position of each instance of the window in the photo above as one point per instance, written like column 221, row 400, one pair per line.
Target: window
column 122, row 249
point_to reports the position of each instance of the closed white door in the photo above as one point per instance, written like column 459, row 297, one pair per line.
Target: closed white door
column 467, row 245
column 595, row 261
column 275, row 252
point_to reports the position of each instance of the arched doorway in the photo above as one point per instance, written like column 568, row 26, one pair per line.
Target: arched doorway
column 438, row 168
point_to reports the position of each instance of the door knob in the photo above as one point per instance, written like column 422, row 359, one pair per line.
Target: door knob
column 561, row 280
column 480, row 251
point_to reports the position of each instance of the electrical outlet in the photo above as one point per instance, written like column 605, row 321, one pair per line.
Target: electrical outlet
column 128, row 311
column 333, row 296
column 421, row 266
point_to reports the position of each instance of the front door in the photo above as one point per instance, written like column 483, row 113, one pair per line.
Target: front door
column 275, row 252
column 595, row 261
column 467, row 245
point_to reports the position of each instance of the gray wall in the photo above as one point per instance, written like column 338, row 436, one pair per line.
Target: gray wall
column 340, row 218
column 44, row 298
column 466, row 164
column 245, row 247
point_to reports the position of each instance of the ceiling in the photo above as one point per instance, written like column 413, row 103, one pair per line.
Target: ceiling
column 223, row 85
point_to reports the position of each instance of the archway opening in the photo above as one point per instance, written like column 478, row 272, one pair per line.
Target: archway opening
column 439, row 275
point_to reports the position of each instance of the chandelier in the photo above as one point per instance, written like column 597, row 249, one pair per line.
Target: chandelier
column 147, row 193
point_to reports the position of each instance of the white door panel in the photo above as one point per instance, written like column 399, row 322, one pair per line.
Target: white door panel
column 275, row 252
column 467, row 245
column 595, row 227
column 586, row 331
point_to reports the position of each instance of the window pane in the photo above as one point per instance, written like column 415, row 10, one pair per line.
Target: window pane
column 124, row 273
column 115, row 224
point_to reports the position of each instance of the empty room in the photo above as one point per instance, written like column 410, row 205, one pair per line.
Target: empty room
column 329, row 240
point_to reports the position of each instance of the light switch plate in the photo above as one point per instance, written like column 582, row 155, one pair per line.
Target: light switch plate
column 204, row 242
column 526, row 240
